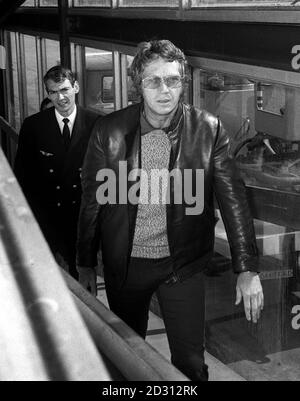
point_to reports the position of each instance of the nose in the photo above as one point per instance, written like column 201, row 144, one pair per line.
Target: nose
column 163, row 86
column 60, row 96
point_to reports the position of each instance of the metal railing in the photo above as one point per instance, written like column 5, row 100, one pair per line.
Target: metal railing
column 135, row 359
column 43, row 336
column 8, row 129
column 38, row 318
column 8, row 140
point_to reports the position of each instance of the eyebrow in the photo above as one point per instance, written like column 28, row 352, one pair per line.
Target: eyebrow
column 58, row 90
column 163, row 76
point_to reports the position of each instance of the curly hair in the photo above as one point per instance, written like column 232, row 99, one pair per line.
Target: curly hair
column 153, row 50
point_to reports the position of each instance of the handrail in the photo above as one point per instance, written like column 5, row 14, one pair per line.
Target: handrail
column 9, row 129
column 134, row 358
column 42, row 335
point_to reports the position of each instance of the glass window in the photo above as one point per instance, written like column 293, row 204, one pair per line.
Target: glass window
column 265, row 142
column 78, row 67
column 32, row 84
column 99, row 80
column 231, row 98
column 29, row 3
column 48, row 3
column 92, row 3
column 149, row 3
column 238, row 3
column 52, row 53
column 132, row 96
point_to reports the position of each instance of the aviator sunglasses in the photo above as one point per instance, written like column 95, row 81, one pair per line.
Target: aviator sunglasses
column 154, row 82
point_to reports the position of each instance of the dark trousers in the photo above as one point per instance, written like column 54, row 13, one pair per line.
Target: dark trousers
column 68, row 244
column 60, row 231
column 182, row 305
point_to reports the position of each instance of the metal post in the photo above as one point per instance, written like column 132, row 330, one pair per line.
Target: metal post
column 117, row 79
column 2, row 76
column 2, row 85
column 22, row 79
column 124, row 80
column 65, row 51
column 39, row 68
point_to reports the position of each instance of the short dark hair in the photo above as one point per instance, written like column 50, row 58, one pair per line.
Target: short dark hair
column 150, row 51
column 58, row 74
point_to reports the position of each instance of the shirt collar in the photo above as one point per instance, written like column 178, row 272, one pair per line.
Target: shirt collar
column 71, row 117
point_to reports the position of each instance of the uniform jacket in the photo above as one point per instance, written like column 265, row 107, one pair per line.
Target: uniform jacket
column 198, row 141
column 49, row 176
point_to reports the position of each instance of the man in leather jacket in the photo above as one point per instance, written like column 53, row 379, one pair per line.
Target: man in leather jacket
column 154, row 239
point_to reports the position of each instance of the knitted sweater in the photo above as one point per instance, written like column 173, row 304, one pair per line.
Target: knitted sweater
column 150, row 237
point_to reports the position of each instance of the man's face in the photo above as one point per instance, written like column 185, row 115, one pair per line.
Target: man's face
column 162, row 100
column 63, row 95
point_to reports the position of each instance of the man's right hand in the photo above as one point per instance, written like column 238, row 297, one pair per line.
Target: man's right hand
column 88, row 279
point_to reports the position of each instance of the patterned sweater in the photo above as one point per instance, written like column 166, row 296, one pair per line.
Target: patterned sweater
column 150, row 237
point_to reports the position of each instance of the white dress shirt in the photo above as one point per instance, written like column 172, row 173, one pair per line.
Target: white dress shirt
column 71, row 119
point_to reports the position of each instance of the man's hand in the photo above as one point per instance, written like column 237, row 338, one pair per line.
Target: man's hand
column 249, row 288
column 88, row 278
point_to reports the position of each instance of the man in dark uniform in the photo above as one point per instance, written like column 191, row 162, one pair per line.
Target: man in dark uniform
column 51, row 148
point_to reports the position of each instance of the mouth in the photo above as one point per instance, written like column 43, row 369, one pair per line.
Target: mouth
column 164, row 101
column 63, row 103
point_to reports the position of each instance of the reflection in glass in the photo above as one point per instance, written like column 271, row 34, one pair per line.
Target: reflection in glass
column 100, row 92
column 271, row 158
column 232, row 99
column 238, row 3
column 273, row 98
column 270, row 162
column 266, row 145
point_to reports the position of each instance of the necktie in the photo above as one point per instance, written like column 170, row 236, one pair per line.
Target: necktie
column 66, row 134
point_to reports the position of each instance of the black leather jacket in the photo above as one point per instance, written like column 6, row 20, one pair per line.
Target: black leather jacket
column 198, row 141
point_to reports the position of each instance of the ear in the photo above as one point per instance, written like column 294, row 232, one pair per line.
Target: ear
column 76, row 87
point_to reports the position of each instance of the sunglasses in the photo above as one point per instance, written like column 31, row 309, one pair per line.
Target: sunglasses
column 171, row 81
